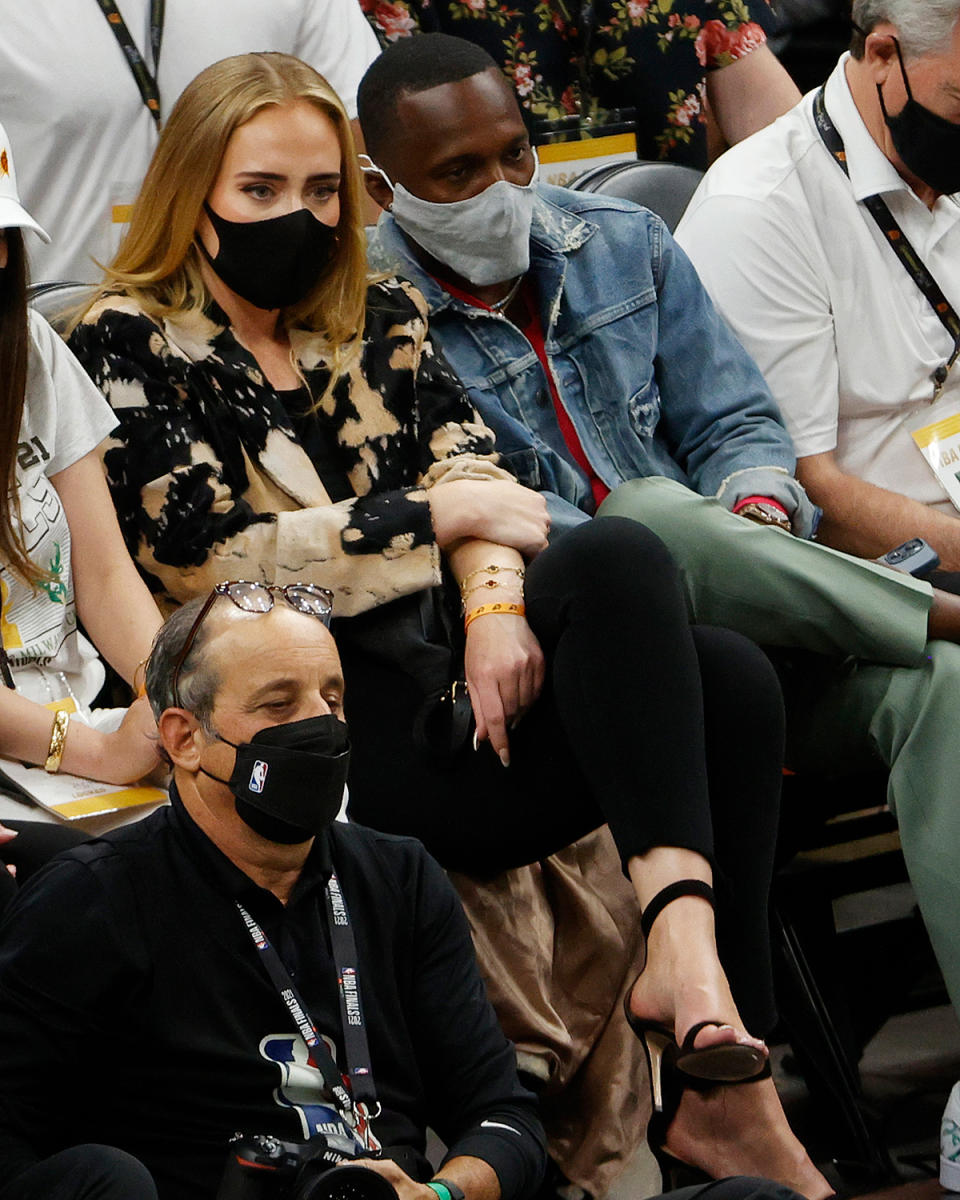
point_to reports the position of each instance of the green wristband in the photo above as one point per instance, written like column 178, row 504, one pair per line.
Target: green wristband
column 446, row 1190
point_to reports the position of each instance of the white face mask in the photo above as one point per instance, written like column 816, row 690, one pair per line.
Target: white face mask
column 485, row 239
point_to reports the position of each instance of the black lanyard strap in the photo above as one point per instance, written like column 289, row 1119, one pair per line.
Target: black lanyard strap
column 357, row 1103
column 355, row 1046
column 896, row 239
column 146, row 81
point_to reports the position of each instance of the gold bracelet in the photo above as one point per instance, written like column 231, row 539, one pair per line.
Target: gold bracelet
column 478, row 587
column 516, row 610
column 58, row 739
column 493, row 569
column 141, row 688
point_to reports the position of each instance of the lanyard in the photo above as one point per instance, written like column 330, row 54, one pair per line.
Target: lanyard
column 898, row 241
column 146, row 81
column 358, row 1099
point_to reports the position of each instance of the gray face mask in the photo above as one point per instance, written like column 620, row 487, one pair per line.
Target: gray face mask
column 484, row 239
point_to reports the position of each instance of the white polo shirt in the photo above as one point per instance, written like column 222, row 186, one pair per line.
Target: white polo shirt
column 82, row 137
column 803, row 274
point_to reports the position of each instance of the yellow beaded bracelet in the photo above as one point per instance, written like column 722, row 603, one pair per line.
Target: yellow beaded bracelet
column 516, row 610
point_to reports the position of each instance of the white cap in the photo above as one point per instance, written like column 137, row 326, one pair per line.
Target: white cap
column 12, row 212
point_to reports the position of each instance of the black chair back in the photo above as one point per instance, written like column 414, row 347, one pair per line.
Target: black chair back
column 665, row 188
column 57, row 299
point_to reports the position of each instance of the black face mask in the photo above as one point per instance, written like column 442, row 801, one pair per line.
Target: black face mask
column 288, row 780
column 928, row 145
column 272, row 263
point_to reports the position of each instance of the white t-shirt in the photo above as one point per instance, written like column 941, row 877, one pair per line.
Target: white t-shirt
column 64, row 418
column 82, row 137
column 803, row 274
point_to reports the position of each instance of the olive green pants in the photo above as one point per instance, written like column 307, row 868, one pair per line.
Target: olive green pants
column 899, row 702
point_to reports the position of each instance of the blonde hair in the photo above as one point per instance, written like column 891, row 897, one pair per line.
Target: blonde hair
column 158, row 263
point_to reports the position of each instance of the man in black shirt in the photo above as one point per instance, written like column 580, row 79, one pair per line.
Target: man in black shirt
column 159, row 986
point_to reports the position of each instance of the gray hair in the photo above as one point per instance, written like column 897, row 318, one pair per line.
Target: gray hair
column 198, row 682
column 924, row 26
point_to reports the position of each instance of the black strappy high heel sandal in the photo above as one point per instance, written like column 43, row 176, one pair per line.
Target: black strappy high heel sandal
column 671, row 1084
column 674, row 1067
column 731, row 1062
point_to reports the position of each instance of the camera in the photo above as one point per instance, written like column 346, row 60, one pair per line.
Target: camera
column 262, row 1167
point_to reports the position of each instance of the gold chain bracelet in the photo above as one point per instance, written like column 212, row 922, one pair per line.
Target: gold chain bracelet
column 493, row 569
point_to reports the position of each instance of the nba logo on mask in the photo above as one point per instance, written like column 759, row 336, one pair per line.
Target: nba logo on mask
column 258, row 776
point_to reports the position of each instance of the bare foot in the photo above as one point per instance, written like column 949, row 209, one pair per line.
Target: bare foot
column 743, row 1130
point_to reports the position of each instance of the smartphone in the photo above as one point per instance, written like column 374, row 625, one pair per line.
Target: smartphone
column 915, row 557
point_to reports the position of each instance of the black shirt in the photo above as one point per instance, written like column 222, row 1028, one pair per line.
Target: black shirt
column 317, row 436
column 134, row 1010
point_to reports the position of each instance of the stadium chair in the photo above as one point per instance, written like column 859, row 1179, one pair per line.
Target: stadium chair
column 664, row 188
column 56, row 299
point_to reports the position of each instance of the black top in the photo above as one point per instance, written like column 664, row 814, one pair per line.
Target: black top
column 318, row 437
column 134, row 1010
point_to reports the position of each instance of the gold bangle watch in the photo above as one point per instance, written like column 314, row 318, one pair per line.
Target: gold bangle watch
column 58, row 740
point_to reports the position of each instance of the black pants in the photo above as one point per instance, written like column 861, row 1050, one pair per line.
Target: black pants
column 35, row 845
column 671, row 734
column 86, row 1173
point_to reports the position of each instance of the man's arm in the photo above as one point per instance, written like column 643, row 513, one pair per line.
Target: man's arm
column 716, row 411
column 764, row 272
column 750, row 93
column 867, row 520
column 66, row 979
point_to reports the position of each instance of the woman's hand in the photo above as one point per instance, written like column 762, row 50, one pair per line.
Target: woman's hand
column 504, row 668
column 130, row 752
column 495, row 510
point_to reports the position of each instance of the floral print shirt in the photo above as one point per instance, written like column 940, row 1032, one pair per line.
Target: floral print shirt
column 650, row 55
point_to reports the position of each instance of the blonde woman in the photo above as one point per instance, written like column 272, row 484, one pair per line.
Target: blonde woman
column 283, row 418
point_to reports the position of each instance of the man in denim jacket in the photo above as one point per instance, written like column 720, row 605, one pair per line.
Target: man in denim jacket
column 590, row 347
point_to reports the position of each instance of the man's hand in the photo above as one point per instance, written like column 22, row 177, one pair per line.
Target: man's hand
column 764, row 512
column 867, row 520
column 405, row 1187
column 504, row 668
column 494, row 510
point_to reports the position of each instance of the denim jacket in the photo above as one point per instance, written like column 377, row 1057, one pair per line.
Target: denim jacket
column 652, row 379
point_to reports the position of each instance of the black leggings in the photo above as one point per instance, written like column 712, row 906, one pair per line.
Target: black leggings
column 671, row 734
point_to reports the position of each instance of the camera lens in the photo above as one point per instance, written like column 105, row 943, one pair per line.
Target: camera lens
column 344, row 1183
